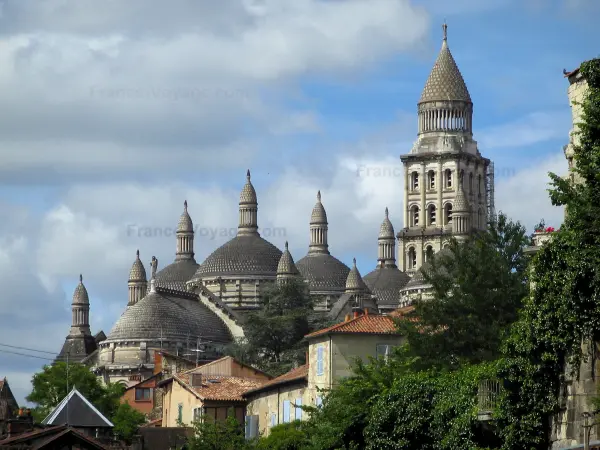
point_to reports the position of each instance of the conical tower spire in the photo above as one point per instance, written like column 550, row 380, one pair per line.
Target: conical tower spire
column 286, row 269
column 80, row 307
column 185, row 235
column 445, row 104
column 354, row 282
column 461, row 214
column 137, row 283
column 386, row 243
column 318, row 228
column 248, row 225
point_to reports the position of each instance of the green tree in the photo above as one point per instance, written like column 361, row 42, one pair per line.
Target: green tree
column 210, row 434
column 274, row 334
column 287, row 436
column 127, row 421
column 55, row 382
column 477, row 288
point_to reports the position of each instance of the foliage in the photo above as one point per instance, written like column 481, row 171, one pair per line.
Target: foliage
column 288, row 436
column 274, row 333
column 210, row 434
column 127, row 420
column 55, row 382
column 477, row 289
column 563, row 310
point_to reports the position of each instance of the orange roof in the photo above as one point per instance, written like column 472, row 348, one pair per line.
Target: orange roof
column 297, row 374
column 363, row 324
column 226, row 358
column 218, row 387
column 402, row 311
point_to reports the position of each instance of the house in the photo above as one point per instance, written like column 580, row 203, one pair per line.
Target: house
column 212, row 390
column 278, row 401
column 53, row 438
column 331, row 354
column 332, row 351
column 143, row 396
column 8, row 405
column 75, row 411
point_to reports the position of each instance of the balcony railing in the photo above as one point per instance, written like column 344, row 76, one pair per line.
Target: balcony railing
column 487, row 398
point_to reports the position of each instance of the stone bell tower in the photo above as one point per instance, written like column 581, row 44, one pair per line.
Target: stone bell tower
column 443, row 161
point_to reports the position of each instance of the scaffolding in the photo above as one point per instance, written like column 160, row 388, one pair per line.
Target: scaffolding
column 489, row 192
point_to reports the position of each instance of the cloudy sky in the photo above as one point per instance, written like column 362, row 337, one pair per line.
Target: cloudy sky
column 114, row 112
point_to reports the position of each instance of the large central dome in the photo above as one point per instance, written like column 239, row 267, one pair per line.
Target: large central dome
column 323, row 272
column 243, row 255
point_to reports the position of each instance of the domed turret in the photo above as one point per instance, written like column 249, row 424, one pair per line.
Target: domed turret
column 137, row 283
column 354, row 282
column 286, row 269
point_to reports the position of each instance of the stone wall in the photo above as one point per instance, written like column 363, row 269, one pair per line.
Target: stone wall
column 577, row 93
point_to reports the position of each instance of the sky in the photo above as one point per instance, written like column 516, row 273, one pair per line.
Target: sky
column 113, row 113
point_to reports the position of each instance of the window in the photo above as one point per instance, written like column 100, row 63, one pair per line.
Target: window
column 298, row 410
column 320, row 352
column 142, row 395
column 479, row 184
column 412, row 258
column 431, row 215
column 318, row 401
column 273, row 419
column 197, row 414
column 470, row 182
column 251, row 427
column 448, row 178
column 431, row 179
column 414, row 181
column 383, row 350
column 414, row 216
column 428, row 253
column 180, row 412
column 448, row 214
column 286, row 411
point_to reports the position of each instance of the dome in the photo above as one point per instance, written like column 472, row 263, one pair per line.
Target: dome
column 354, row 281
column 176, row 274
column 171, row 318
column 286, row 264
column 137, row 272
column 460, row 202
column 81, row 295
column 242, row 255
column 323, row 272
column 386, row 231
column 385, row 283
column 248, row 194
column 185, row 221
column 318, row 213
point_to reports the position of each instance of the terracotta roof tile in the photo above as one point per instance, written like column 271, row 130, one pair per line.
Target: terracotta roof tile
column 297, row 374
column 223, row 388
column 363, row 324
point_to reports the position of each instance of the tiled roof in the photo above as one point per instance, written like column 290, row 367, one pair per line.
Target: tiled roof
column 363, row 324
column 219, row 388
column 53, row 433
column 232, row 361
column 297, row 374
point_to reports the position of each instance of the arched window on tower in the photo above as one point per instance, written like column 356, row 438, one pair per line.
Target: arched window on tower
column 411, row 258
column 414, row 216
column 428, row 253
column 431, row 179
column 447, row 213
column 479, row 184
column 448, row 178
column 431, row 215
column 471, row 183
column 414, row 181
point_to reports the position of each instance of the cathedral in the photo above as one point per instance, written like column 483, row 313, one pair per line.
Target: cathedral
column 187, row 307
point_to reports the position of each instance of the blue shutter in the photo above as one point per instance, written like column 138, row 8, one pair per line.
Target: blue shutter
column 286, row 411
column 298, row 410
column 248, row 426
column 320, row 360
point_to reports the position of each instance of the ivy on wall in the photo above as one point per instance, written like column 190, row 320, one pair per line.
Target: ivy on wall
column 563, row 310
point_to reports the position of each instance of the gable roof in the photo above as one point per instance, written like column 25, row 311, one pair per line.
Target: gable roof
column 365, row 324
column 50, row 434
column 76, row 410
column 231, row 359
column 296, row 375
column 218, row 388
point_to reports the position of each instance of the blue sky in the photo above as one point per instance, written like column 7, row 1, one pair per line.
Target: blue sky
column 302, row 93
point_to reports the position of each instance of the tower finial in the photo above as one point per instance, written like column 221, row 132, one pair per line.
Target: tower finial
column 80, row 278
column 185, row 205
column 319, row 195
column 354, row 261
column 248, row 174
column 286, row 245
column 445, row 29
column 387, row 214
column 137, row 253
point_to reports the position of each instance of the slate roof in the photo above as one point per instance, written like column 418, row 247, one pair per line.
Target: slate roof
column 177, row 274
column 76, row 411
column 295, row 375
column 385, row 283
column 323, row 272
column 219, row 388
column 176, row 317
column 365, row 324
column 78, row 348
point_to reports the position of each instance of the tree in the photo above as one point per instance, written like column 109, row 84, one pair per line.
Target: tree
column 55, row 381
column 210, row 434
column 274, row 334
column 477, row 289
column 127, row 420
column 287, row 436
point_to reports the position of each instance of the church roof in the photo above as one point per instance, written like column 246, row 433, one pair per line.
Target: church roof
column 242, row 255
column 445, row 81
column 169, row 317
column 318, row 215
column 177, row 274
column 386, row 230
column 81, row 294
column 461, row 204
column 185, row 221
column 354, row 281
column 323, row 272
column 248, row 194
column 77, row 411
column 286, row 265
column 385, row 283
column 137, row 272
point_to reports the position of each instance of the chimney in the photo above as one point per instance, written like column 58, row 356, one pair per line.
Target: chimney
column 366, row 311
column 196, row 380
column 157, row 362
column 356, row 314
column 347, row 318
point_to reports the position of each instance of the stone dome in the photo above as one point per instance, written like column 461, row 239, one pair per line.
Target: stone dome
column 386, row 231
column 248, row 194
column 354, row 281
column 171, row 318
column 242, row 255
column 460, row 202
column 323, row 272
column 137, row 272
column 385, row 283
column 185, row 221
column 81, row 294
column 177, row 274
column 286, row 265
column 318, row 216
